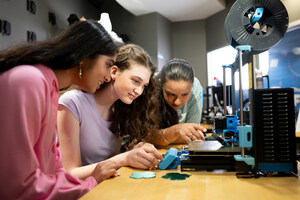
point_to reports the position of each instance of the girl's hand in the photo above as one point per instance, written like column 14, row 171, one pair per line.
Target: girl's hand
column 143, row 156
column 105, row 170
column 189, row 132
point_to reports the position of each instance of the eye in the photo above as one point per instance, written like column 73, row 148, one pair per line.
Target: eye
column 108, row 65
column 136, row 81
column 170, row 94
column 185, row 95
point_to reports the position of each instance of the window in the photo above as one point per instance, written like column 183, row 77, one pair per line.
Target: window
column 281, row 63
column 284, row 61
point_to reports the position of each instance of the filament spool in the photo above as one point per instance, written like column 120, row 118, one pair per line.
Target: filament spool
column 263, row 34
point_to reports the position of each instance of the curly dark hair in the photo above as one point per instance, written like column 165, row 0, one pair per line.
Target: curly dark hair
column 137, row 121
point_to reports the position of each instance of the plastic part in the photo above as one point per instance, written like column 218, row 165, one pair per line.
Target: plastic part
column 171, row 159
column 243, row 47
column 257, row 15
column 245, row 136
column 249, row 160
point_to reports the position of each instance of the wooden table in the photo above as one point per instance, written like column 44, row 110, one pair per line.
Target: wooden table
column 200, row 185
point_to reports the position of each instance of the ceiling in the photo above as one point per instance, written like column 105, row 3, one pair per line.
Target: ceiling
column 174, row 10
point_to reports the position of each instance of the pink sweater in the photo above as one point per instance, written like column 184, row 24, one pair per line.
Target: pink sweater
column 30, row 166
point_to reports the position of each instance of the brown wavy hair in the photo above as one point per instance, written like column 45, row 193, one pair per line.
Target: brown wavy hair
column 137, row 121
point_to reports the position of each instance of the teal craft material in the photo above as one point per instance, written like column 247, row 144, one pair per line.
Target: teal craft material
column 176, row 176
column 139, row 175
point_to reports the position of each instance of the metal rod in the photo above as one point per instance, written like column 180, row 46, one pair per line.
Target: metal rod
column 232, row 93
column 243, row 151
column 241, row 97
column 224, row 91
column 254, row 67
column 241, row 88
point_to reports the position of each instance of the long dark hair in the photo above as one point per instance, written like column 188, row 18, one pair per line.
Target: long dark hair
column 175, row 70
column 83, row 39
column 137, row 121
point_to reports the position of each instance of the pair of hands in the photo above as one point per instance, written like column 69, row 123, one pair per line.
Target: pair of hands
column 142, row 156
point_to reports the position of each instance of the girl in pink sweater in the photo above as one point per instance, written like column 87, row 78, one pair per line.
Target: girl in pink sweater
column 30, row 77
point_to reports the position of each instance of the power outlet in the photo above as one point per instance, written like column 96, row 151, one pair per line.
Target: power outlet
column 5, row 27
column 31, row 6
column 1, row 26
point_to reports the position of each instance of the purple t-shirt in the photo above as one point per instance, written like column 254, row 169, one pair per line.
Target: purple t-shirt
column 97, row 142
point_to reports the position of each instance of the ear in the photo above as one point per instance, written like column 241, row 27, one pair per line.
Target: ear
column 113, row 72
column 82, row 63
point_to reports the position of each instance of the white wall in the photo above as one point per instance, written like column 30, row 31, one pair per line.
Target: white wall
column 293, row 8
column 21, row 20
column 189, row 43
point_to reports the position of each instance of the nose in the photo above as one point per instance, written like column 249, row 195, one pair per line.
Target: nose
column 177, row 102
column 138, row 90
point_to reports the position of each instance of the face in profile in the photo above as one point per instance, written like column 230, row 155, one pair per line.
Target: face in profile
column 96, row 72
column 129, row 84
column 177, row 93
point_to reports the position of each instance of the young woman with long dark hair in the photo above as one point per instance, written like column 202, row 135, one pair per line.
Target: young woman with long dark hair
column 31, row 76
column 180, row 97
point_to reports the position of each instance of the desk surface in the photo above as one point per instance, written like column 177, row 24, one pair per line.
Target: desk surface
column 200, row 185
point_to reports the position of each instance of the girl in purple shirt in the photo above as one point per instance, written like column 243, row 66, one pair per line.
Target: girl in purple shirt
column 91, row 126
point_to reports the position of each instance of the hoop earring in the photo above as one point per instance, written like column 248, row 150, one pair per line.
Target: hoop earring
column 80, row 72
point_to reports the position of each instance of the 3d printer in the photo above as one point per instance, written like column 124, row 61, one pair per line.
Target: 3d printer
column 263, row 141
